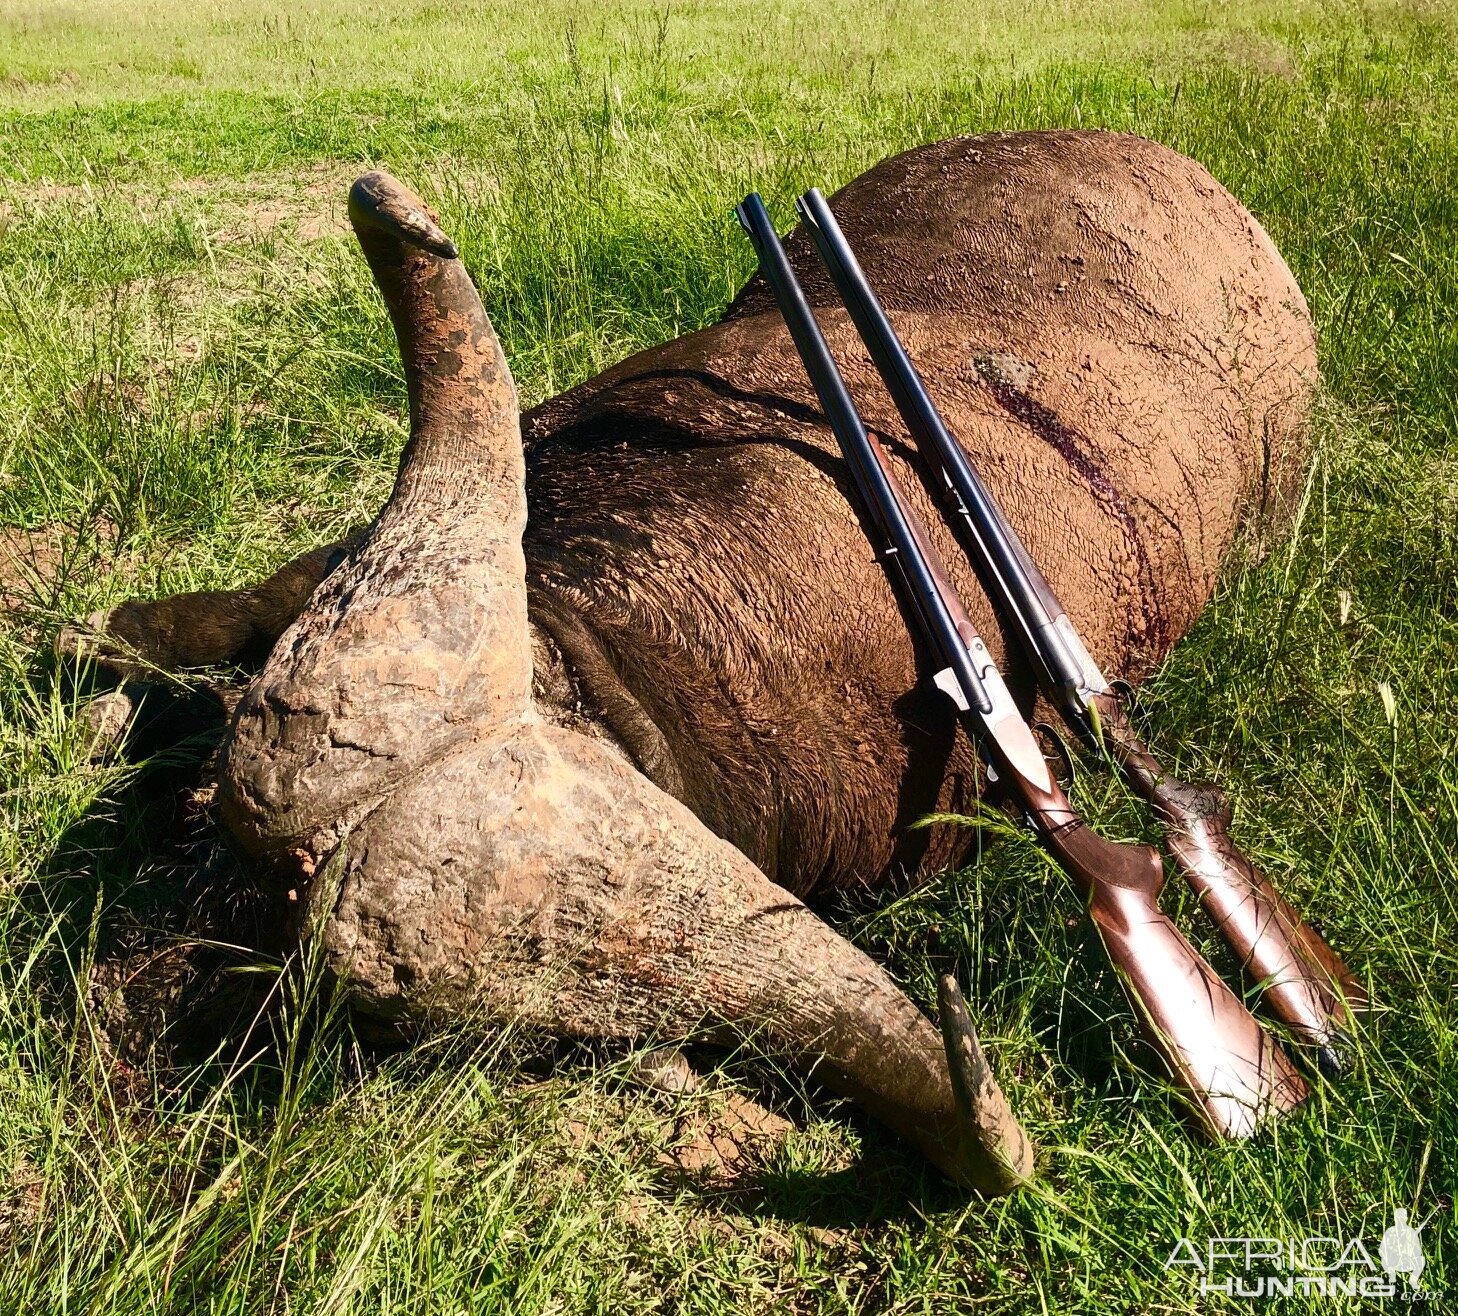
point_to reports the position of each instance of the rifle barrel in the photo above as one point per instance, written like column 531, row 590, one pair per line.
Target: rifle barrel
column 872, row 481
column 1014, row 578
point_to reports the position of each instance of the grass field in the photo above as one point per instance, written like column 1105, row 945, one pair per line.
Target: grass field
column 197, row 381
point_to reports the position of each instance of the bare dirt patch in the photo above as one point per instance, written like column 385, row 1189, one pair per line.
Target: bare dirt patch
column 20, row 1201
column 27, row 557
column 37, row 564
column 33, row 561
column 309, row 203
column 716, row 1138
column 1263, row 54
column 721, row 1143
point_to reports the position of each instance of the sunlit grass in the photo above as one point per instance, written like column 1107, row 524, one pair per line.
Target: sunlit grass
column 197, row 385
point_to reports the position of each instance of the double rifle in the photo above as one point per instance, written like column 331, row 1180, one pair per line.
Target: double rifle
column 1214, row 1048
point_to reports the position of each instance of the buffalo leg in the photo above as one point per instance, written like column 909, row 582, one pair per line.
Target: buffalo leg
column 205, row 628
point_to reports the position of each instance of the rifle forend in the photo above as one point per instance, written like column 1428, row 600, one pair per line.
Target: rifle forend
column 1301, row 979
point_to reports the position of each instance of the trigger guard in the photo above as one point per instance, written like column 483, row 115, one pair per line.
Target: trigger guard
column 1127, row 695
column 1063, row 753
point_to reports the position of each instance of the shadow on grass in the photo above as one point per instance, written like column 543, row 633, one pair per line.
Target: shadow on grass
column 159, row 931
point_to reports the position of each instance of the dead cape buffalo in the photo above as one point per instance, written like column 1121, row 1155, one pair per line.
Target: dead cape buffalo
column 565, row 734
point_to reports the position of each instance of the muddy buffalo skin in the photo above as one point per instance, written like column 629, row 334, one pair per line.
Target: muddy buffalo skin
column 475, row 746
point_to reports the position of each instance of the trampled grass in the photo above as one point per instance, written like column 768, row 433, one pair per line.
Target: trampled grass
column 197, row 380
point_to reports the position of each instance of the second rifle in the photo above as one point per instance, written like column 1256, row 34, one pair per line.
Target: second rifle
column 1301, row 980
column 1216, row 1051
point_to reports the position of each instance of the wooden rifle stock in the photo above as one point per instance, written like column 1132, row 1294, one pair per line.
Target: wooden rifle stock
column 1303, row 982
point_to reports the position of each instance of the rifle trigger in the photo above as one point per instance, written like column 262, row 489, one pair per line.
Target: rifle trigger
column 1127, row 696
column 1062, row 753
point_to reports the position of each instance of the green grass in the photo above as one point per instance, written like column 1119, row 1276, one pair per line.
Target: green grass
column 197, row 380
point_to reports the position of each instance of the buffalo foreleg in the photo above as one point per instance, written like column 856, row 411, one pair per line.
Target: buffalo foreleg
column 205, row 628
